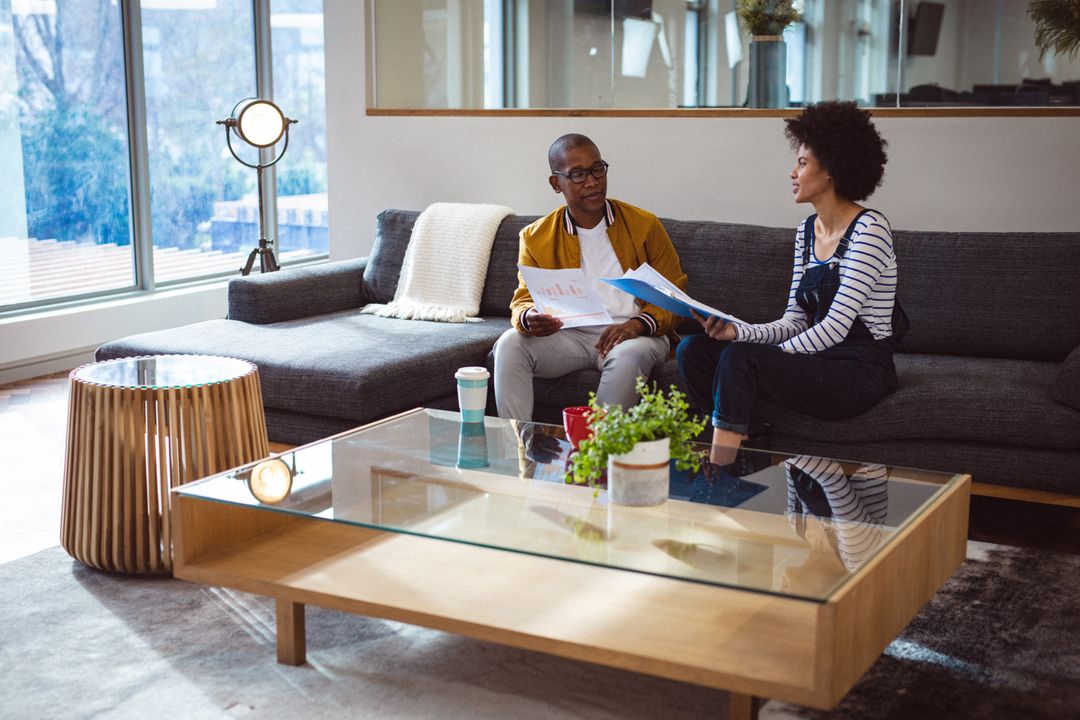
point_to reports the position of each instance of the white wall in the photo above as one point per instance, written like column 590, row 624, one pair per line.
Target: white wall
column 956, row 173
column 947, row 174
column 62, row 339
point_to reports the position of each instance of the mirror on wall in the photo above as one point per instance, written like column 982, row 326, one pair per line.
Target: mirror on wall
column 461, row 54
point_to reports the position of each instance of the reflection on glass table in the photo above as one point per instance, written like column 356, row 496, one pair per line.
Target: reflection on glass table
column 839, row 513
column 501, row 484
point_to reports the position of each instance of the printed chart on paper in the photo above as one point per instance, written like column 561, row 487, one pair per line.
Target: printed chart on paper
column 565, row 294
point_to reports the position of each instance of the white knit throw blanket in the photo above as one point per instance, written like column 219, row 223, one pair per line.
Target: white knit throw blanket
column 442, row 277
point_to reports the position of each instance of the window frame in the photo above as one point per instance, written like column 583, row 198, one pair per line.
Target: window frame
column 140, row 226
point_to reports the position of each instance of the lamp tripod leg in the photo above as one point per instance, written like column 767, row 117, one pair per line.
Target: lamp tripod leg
column 267, row 262
column 246, row 270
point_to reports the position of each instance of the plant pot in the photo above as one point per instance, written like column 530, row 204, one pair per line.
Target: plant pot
column 641, row 476
column 768, row 72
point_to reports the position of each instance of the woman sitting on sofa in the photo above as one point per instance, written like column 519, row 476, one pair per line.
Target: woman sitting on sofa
column 830, row 355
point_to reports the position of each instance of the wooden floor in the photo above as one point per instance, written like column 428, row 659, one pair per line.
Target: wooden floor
column 33, row 416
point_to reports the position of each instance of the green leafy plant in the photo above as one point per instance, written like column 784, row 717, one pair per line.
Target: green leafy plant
column 1057, row 26
column 767, row 17
column 616, row 431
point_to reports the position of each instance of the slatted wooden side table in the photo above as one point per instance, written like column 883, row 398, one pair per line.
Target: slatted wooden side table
column 138, row 427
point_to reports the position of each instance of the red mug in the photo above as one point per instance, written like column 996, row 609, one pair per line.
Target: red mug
column 577, row 424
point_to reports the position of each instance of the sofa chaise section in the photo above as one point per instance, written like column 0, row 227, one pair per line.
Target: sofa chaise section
column 323, row 366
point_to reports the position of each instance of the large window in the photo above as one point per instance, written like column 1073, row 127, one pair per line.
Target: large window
column 297, row 32
column 64, row 187
column 198, row 59
column 74, row 80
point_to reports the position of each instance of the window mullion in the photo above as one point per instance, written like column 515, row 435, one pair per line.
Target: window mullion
column 142, row 230
column 264, row 88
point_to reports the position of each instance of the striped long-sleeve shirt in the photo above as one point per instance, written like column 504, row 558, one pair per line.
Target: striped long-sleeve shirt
column 867, row 293
column 859, row 503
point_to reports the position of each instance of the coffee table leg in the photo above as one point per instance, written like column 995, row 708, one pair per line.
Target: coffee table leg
column 743, row 707
column 291, row 639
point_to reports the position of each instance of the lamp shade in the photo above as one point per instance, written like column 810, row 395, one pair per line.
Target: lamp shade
column 271, row 481
column 259, row 122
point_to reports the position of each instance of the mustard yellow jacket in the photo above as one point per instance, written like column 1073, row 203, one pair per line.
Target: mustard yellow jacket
column 636, row 235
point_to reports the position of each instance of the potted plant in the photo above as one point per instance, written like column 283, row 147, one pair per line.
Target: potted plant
column 1057, row 26
column 633, row 446
column 766, row 20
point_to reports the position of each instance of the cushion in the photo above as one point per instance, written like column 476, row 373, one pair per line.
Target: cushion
column 393, row 231
column 297, row 292
column 1022, row 467
column 998, row 401
column 502, row 268
column 743, row 270
column 1067, row 382
column 1001, row 295
column 343, row 365
column 1006, row 402
column 393, row 228
column 746, row 270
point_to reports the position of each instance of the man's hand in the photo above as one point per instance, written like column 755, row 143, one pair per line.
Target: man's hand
column 615, row 334
column 540, row 324
column 539, row 446
column 716, row 328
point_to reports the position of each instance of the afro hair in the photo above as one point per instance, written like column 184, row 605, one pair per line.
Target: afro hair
column 845, row 142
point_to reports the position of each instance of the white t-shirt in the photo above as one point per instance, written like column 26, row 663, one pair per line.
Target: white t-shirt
column 598, row 260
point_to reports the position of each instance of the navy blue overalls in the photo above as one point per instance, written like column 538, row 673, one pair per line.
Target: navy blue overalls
column 839, row 382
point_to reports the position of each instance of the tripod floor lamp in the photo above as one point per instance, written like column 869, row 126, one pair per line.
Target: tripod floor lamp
column 261, row 124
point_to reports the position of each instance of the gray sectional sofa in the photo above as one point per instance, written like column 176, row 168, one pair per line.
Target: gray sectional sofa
column 989, row 372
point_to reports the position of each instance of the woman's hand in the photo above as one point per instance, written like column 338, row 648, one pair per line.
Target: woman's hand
column 716, row 328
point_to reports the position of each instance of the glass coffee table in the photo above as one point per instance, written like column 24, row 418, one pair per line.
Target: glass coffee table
column 779, row 576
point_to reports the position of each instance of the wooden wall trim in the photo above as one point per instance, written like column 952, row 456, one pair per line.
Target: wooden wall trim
column 935, row 112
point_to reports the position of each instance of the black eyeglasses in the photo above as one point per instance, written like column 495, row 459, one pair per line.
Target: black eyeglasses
column 578, row 176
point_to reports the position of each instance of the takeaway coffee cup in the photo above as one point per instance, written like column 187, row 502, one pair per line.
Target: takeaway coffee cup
column 472, row 446
column 472, row 393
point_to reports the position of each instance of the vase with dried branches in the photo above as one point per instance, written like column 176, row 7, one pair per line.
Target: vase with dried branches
column 766, row 20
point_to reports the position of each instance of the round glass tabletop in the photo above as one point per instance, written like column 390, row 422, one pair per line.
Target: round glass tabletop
column 164, row 371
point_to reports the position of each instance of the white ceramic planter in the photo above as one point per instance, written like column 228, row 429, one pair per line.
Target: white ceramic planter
column 640, row 477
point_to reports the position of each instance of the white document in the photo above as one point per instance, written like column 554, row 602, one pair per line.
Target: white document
column 646, row 284
column 564, row 294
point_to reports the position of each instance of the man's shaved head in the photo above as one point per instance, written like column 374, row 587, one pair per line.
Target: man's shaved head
column 563, row 145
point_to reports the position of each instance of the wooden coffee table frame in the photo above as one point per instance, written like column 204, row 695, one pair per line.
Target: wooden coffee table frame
column 753, row 644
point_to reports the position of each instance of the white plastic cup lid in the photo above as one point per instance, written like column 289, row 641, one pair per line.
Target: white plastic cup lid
column 472, row 373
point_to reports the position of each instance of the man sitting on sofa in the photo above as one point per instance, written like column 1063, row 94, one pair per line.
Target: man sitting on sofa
column 604, row 238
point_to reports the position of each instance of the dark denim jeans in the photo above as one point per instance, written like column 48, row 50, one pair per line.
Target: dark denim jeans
column 727, row 378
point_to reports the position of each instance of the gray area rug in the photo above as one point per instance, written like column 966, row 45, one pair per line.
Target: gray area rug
column 1001, row 640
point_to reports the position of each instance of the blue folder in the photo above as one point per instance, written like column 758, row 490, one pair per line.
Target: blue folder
column 660, row 298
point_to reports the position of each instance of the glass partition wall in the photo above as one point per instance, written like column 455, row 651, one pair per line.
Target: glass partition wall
column 462, row 54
